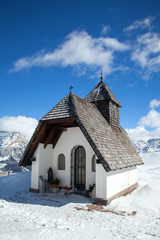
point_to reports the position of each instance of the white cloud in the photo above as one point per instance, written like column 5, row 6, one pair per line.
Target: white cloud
column 114, row 44
column 79, row 50
column 105, row 29
column 154, row 103
column 140, row 24
column 140, row 133
column 146, row 53
column 152, row 120
column 21, row 124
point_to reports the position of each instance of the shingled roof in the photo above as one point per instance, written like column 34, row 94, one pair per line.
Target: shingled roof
column 63, row 109
column 101, row 92
column 112, row 146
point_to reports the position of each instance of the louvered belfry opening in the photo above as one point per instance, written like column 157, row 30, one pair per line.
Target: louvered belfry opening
column 110, row 111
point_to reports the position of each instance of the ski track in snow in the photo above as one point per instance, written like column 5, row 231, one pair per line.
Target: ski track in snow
column 30, row 216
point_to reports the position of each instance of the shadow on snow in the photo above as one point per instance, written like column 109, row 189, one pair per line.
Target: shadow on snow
column 15, row 188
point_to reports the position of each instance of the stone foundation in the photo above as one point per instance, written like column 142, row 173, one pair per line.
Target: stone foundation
column 34, row 190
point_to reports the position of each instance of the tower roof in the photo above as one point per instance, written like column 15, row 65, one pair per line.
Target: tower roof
column 101, row 92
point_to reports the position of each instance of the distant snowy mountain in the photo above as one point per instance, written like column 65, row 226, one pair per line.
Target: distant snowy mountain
column 150, row 146
column 149, row 152
column 12, row 146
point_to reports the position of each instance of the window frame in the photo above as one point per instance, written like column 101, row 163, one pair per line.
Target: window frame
column 61, row 162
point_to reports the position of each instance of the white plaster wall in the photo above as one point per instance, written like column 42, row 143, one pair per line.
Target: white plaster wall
column 44, row 159
column 101, row 190
column 133, row 176
column 48, row 157
column 69, row 139
column 120, row 180
column 110, row 183
column 35, row 170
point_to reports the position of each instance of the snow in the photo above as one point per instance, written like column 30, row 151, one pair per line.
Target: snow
column 151, row 145
column 12, row 143
column 25, row 215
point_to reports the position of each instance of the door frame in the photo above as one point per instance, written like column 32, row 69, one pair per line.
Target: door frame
column 82, row 186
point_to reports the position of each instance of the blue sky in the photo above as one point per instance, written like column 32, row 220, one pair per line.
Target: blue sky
column 45, row 46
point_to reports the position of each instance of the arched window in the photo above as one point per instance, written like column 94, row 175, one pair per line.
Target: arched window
column 61, row 162
column 94, row 163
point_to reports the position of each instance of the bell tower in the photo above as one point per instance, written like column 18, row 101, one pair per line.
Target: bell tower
column 106, row 102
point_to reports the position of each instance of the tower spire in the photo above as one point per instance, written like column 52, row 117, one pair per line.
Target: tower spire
column 101, row 77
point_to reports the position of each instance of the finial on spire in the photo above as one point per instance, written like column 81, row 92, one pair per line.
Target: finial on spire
column 71, row 87
column 101, row 77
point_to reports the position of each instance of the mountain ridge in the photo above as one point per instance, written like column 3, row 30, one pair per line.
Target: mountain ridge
column 12, row 146
column 149, row 146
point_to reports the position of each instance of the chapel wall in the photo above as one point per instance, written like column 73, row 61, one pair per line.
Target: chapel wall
column 119, row 180
column 69, row 139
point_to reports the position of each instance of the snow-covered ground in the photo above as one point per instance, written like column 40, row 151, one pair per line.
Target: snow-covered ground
column 30, row 216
